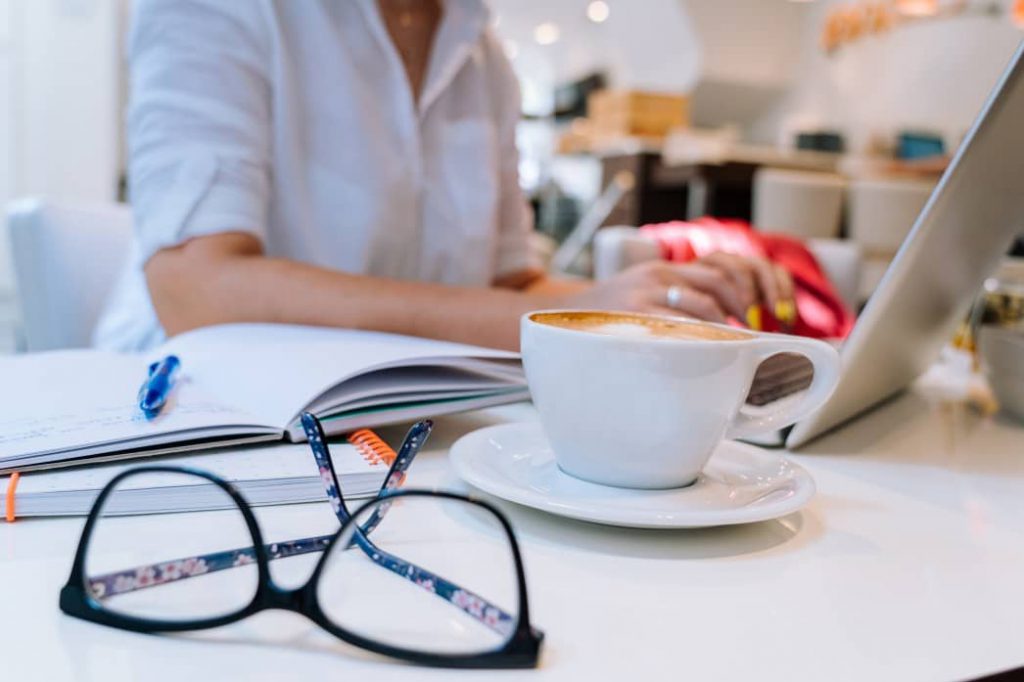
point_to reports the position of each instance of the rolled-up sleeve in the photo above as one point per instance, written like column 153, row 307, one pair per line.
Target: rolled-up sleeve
column 198, row 121
column 515, row 253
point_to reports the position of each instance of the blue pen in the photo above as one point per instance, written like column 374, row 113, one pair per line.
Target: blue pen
column 158, row 385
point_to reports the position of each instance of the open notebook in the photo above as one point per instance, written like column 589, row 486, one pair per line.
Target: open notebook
column 238, row 383
column 275, row 474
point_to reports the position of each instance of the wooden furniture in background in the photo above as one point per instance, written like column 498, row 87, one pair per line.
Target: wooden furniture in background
column 633, row 112
column 665, row 192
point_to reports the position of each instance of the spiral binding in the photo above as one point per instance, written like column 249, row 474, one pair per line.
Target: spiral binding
column 372, row 448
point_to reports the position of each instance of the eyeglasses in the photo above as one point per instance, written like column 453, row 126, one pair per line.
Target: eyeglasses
column 415, row 592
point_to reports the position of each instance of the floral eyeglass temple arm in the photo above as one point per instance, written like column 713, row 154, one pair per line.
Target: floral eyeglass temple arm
column 129, row 580
column 410, row 447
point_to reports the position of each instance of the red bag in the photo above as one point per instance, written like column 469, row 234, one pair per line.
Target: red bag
column 820, row 311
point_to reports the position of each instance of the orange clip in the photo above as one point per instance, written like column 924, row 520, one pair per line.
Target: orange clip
column 371, row 447
column 12, row 486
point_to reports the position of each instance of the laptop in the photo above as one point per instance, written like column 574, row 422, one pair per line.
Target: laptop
column 972, row 218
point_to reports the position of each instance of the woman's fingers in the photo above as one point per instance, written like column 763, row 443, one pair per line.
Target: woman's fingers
column 692, row 303
column 785, row 283
column 767, row 283
column 775, row 288
column 785, row 307
column 709, row 281
column 739, row 271
column 760, row 282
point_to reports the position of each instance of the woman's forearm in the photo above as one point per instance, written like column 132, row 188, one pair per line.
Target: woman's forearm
column 296, row 293
column 227, row 278
column 196, row 290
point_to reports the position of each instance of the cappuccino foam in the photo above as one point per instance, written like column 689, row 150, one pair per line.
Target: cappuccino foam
column 634, row 325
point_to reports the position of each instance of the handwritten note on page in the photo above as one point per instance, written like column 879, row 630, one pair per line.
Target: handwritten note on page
column 81, row 402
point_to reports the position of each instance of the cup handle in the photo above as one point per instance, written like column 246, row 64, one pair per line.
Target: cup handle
column 826, row 373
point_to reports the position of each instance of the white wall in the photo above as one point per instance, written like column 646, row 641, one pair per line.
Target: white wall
column 741, row 54
column 59, row 101
column 755, row 42
column 644, row 44
column 66, row 97
column 932, row 75
column 6, row 156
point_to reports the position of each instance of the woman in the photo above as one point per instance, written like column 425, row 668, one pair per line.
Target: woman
column 349, row 164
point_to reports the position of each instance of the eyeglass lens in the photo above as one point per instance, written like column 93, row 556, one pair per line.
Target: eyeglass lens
column 170, row 567
column 439, row 577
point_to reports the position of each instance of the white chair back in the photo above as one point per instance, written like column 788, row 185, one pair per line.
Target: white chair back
column 66, row 260
column 881, row 212
column 619, row 247
column 804, row 204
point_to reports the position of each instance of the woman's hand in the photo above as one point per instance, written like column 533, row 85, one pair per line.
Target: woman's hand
column 759, row 282
column 712, row 289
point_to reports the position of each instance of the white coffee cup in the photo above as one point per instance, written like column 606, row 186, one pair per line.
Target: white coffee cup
column 641, row 401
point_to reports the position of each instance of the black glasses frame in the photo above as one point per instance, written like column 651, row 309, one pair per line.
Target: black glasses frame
column 520, row 650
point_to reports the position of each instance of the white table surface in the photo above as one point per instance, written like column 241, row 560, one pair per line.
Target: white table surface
column 908, row 565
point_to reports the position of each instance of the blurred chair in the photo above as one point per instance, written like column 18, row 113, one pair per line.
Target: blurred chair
column 66, row 260
column 881, row 213
column 804, row 204
column 843, row 262
column 617, row 248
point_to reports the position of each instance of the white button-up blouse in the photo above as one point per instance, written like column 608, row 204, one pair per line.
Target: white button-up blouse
column 293, row 121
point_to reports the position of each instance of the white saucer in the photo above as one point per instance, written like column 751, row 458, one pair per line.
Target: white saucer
column 741, row 483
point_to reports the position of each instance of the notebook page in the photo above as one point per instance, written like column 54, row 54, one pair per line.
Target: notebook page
column 429, row 382
column 405, row 412
column 64, row 400
column 274, row 371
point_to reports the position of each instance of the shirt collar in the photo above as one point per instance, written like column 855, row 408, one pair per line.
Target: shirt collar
column 462, row 24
